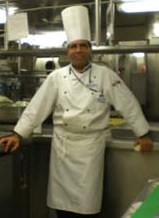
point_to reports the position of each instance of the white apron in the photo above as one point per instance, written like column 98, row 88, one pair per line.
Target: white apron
column 77, row 155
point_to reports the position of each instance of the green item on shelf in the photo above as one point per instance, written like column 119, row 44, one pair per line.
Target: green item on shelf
column 150, row 206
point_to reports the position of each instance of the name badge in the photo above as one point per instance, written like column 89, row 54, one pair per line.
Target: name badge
column 101, row 97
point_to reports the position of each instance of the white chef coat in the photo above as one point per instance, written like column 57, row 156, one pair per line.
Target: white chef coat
column 80, row 117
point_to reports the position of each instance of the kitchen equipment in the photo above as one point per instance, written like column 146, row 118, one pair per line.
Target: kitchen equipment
column 146, row 204
column 11, row 112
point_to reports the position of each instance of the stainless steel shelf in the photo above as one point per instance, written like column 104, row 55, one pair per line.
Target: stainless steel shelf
column 53, row 52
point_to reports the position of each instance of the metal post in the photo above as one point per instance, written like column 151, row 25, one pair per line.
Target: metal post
column 19, row 58
column 6, row 26
column 98, row 22
column 110, row 19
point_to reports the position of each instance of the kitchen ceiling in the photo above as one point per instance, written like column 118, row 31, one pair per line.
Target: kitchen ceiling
column 45, row 15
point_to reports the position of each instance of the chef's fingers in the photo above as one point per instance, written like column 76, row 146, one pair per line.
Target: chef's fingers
column 10, row 143
column 144, row 144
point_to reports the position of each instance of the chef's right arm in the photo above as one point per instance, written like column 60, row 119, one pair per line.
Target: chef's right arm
column 36, row 112
column 40, row 107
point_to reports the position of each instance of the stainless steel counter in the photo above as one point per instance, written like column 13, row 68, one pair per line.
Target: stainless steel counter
column 128, row 144
column 126, row 171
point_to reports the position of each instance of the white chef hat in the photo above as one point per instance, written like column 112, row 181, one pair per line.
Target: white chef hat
column 76, row 23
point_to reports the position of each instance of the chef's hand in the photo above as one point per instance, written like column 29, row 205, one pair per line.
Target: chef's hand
column 10, row 143
column 144, row 144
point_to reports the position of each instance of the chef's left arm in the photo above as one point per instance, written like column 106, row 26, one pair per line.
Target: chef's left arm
column 128, row 106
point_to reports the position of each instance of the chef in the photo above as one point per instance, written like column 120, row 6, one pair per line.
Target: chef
column 79, row 96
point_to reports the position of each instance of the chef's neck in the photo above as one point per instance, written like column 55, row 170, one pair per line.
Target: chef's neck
column 82, row 69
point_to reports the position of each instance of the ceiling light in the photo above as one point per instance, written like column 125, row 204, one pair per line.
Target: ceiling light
column 11, row 11
column 138, row 55
column 156, row 29
column 47, row 40
column 135, row 6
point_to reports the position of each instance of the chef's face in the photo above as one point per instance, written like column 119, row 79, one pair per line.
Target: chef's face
column 79, row 53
